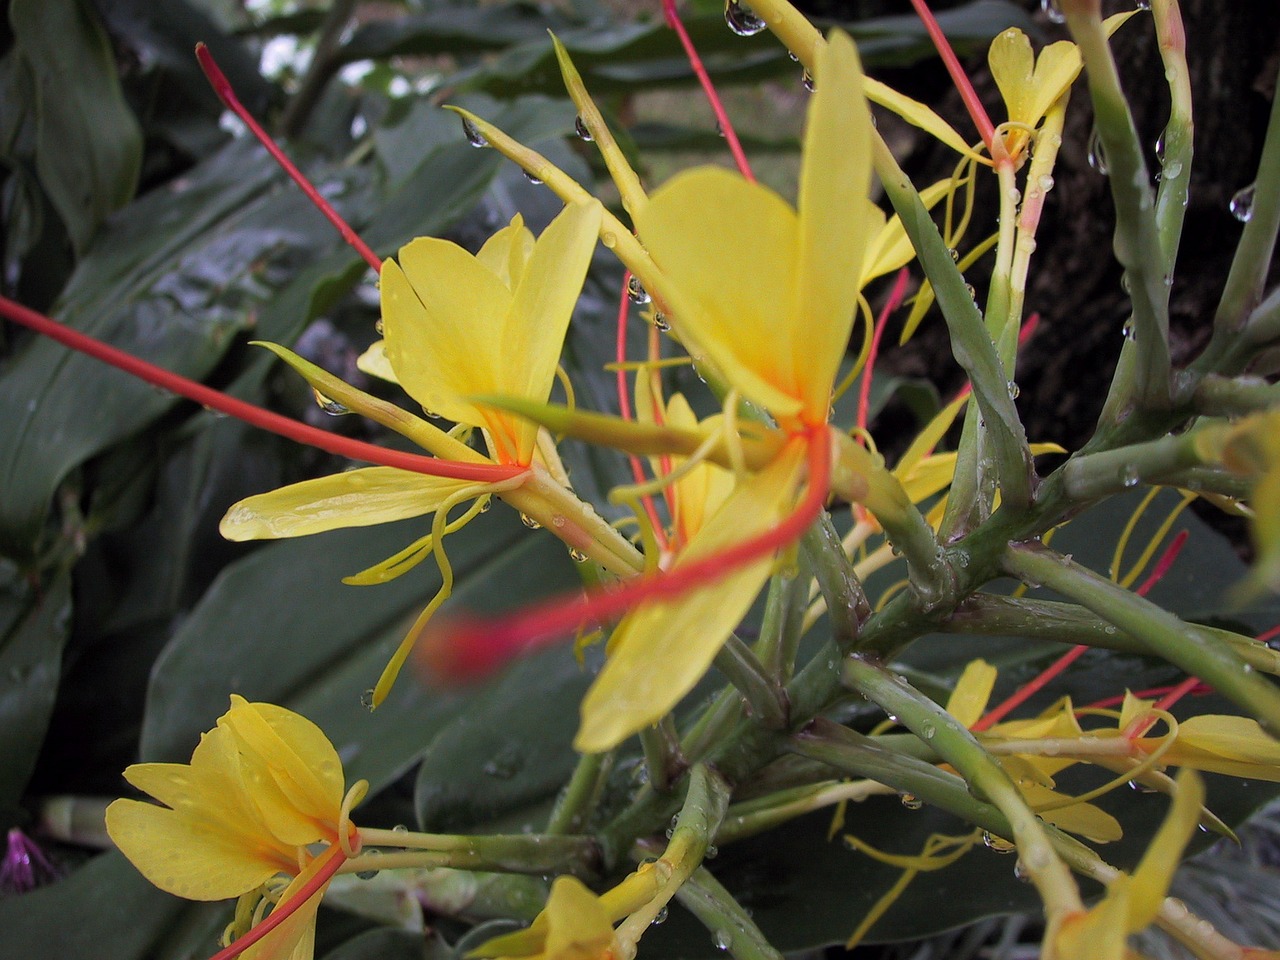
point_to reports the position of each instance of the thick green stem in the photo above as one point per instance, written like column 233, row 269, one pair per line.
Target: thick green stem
column 765, row 697
column 1097, row 475
column 1183, row 644
column 731, row 925
column 1176, row 142
column 662, row 756
column 510, row 853
column 970, row 343
column 1146, row 380
column 847, row 605
column 573, row 806
column 931, row 723
column 1234, row 396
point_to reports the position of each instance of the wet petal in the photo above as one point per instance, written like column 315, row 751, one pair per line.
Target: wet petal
column 357, row 498
column 442, row 314
column 662, row 648
column 835, row 179
column 731, row 247
column 185, row 855
column 972, row 691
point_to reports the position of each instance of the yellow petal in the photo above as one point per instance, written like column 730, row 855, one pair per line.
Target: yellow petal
column 507, row 252
column 662, row 648
column 185, row 855
column 1081, row 818
column 357, row 498
column 578, row 927
column 835, row 178
column 972, row 691
column 532, row 340
column 916, row 114
column 1056, row 69
column 1099, row 933
column 1151, row 878
column 1012, row 67
column 294, row 938
column 890, row 248
column 442, row 316
column 293, row 771
column 731, row 248
column 374, row 362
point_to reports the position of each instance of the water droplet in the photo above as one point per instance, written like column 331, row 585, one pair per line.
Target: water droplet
column 973, row 292
column 505, row 764
column 332, row 407
column 712, row 852
column 580, row 128
column 378, row 327
column 1125, row 283
column 1140, row 787
column 1097, row 155
column 1127, row 331
column 532, row 178
column 366, row 699
column 1046, row 182
column 558, row 521
column 609, row 239
column 636, row 292
column 955, row 254
column 473, row 134
column 1172, row 170
column 660, row 916
column 719, row 129
column 1242, row 203
column 793, row 56
column 741, row 19
column 723, row 939
column 1050, row 9
column 366, row 874
column 997, row 844
column 1160, row 147
column 529, row 522
column 1014, row 390
column 928, row 731
column 660, row 321
column 485, row 506
column 399, row 828
column 1020, row 872
column 807, row 81
column 1129, row 476
column 911, row 801
column 577, row 555
column 1142, row 4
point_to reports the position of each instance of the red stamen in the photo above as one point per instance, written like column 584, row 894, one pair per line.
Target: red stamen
column 1023, row 693
column 471, row 648
column 1199, row 690
column 283, row 911
column 972, row 102
column 1269, row 635
column 1178, row 692
column 895, row 300
column 222, row 87
column 713, row 98
column 624, row 407
column 256, row 416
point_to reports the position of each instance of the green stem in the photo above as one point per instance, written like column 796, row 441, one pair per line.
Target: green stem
column 1097, row 475
column 575, row 803
column 847, row 605
column 509, row 853
column 764, row 813
column 1199, row 653
column 662, row 756
column 1137, row 245
column 765, row 697
column 734, row 930
column 1058, row 622
column 970, row 343
column 1235, row 396
column 931, row 723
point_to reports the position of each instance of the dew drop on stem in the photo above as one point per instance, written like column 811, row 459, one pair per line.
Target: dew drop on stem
column 473, row 135
column 1242, row 203
column 1050, row 9
column 636, row 292
column 332, row 407
column 741, row 19
column 1097, row 156
column 580, row 128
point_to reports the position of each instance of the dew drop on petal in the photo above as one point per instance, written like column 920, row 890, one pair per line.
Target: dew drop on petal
column 741, row 19
column 366, row 699
column 332, row 407
column 529, row 522
column 807, row 81
column 636, row 292
column 1242, row 203
column 532, row 178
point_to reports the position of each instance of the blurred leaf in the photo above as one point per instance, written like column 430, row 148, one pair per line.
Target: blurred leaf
column 280, row 626
column 104, row 910
column 88, row 146
column 452, row 28
column 387, row 944
column 34, row 621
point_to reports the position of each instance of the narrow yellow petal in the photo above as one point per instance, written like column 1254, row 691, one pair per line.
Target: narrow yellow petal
column 1056, row 69
column 916, row 114
column 357, row 498
column 532, row 339
column 662, row 648
column 1151, row 878
column 1099, row 933
column 972, row 691
column 442, row 316
column 578, row 927
column 182, row 856
column 507, row 252
column 835, row 179
column 374, row 362
column 1012, row 67
column 731, row 248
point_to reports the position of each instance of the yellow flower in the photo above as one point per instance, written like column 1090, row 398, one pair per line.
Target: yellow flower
column 1030, row 85
column 574, row 925
column 766, row 292
column 262, row 786
column 1131, row 902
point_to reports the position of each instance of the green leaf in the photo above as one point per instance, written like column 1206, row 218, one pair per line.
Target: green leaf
column 88, row 144
column 280, row 626
column 34, row 621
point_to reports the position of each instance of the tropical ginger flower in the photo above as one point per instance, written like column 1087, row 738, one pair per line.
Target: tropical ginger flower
column 456, row 326
column 263, row 786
